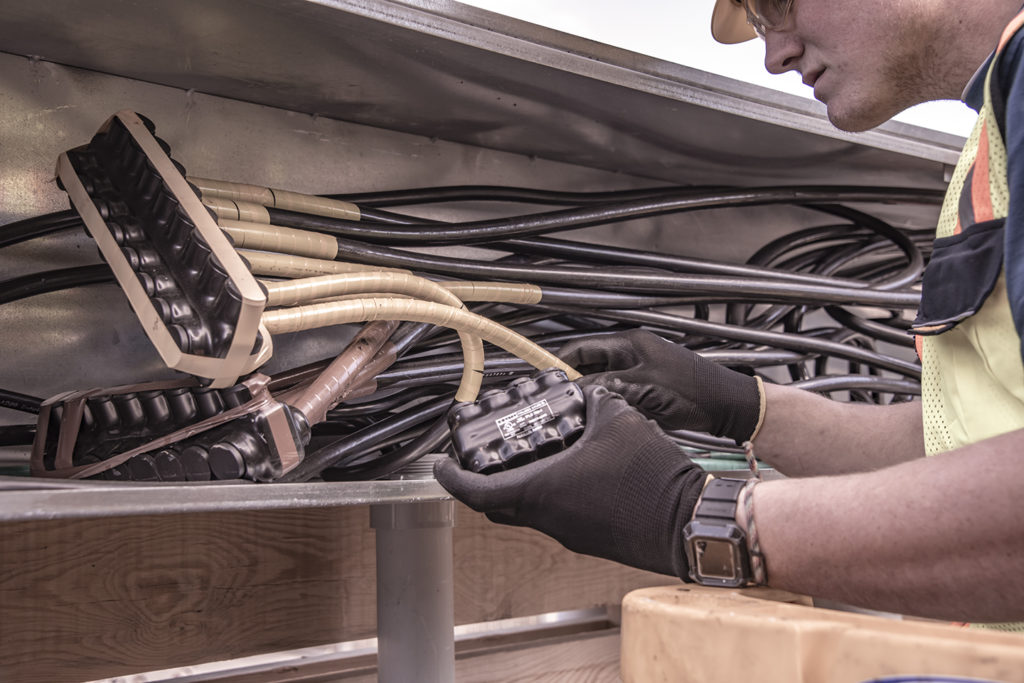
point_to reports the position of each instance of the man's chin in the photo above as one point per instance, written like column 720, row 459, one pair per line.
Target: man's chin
column 854, row 121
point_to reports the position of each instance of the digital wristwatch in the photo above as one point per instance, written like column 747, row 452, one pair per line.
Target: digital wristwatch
column 716, row 546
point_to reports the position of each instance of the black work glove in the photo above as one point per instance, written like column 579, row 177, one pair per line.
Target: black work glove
column 669, row 383
column 623, row 491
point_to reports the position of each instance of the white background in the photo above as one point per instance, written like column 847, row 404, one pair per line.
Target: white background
column 678, row 31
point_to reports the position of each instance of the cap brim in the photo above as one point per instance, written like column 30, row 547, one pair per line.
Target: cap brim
column 729, row 23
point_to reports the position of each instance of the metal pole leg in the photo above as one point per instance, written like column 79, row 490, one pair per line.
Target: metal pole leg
column 415, row 596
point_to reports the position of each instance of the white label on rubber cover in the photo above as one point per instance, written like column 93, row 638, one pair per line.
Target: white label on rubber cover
column 522, row 422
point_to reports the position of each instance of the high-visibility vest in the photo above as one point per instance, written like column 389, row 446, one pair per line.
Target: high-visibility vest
column 972, row 381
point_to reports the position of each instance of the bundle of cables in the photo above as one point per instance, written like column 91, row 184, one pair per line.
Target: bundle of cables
column 824, row 308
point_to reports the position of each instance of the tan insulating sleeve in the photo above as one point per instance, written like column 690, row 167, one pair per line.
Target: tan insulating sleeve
column 515, row 294
column 309, row 289
column 267, row 264
column 320, row 315
column 299, row 291
column 249, row 235
column 494, row 292
column 237, row 210
column 360, row 295
column 280, row 199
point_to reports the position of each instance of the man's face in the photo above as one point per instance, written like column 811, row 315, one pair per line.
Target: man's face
column 866, row 60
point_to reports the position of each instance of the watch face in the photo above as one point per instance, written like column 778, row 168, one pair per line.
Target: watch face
column 716, row 559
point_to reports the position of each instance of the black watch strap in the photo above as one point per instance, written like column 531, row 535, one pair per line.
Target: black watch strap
column 715, row 544
column 719, row 500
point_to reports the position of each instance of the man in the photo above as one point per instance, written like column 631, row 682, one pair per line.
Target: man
column 863, row 517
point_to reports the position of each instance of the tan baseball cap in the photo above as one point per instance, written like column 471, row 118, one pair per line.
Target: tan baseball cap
column 729, row 22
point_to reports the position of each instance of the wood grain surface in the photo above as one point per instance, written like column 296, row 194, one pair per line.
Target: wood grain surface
column 85, row 599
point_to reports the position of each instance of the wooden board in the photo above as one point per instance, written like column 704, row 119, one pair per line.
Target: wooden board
column 776, row 637
column 85, row 599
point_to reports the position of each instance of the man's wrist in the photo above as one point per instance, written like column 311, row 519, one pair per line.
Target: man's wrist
column 746, row 522
column 716, row 547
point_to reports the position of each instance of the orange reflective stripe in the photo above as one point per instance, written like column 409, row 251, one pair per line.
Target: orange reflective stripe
column 1010, row 29
column 981, row 191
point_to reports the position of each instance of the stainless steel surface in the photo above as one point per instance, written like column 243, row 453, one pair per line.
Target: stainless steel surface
column 370, row 96
column 415, row 592
column 88, row 337
column 447, row 71
column 18, row 503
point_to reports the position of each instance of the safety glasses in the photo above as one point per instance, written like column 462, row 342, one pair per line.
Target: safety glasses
column 767, row 15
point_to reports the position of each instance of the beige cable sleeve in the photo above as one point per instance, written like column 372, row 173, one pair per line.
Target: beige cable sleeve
column 494, row 292
column 514, row 294
column 309, row 244
column 360, row 295
column 304, row 290
column 249, row 235
column 308, row 289
column 238, row 211
column 280, row 199
column 320, row 315
column 267, row 264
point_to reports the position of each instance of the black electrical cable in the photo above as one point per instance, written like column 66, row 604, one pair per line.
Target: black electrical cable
column 548, row 340
column 477, row 232
column 328, row 456
column 791, row 242
column 829, row 383
column 18, row 401
column 381, row 402
column 448, row 368
column 872, row 328
column 590, row 289
column 52, row 281
column 599, row 299
column 915, row 260
column 782, row 340
column 834, row 257
column 499, row 193
column 429, row 441
column 37, row 226
column 814, row 262
column 378, row 450
column 831, row 257
column 418, row 373
column 667, row 284
column 408, row 335
column 877, row 269
column 370, row 215
column 593, row 253
column 17, row 435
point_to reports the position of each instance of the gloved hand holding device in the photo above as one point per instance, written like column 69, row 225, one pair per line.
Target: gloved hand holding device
column 669, row 383
column 623, row 491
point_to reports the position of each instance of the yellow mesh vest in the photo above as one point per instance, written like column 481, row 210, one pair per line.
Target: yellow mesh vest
column 972, row 379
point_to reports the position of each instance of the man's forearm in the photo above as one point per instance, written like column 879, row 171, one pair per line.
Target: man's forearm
column 937, row 537
column 805, row 434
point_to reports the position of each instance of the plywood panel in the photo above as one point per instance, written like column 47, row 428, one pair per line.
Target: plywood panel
column 82, row 599
column 503, row 572
column 85, row 598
